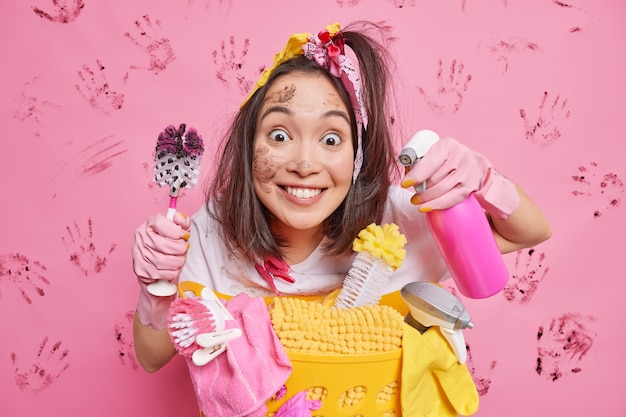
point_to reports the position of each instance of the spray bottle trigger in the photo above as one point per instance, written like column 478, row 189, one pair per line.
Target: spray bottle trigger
column 457, row 343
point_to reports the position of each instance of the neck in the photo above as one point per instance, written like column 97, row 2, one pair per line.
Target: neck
column 299, row 244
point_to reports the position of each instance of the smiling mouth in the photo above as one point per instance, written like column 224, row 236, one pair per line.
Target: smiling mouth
column 303, row 192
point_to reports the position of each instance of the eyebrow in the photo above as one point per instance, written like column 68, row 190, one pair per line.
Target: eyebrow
column 285, row 110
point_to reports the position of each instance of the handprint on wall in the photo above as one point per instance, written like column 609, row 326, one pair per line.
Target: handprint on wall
column 451, row 89
column 482, row 382
column 30, row 108
column 157, row 47
column 27, row 275
column 546, row 127
column 562, row 344
column 83, row 252
column 96, row 90
column 527, row 276
column 230, row 65
column 65, row 11
column 46, row 368
column 590, row 182
column 124, row 338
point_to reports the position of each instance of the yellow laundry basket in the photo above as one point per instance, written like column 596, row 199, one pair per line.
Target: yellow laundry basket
column 359, row 385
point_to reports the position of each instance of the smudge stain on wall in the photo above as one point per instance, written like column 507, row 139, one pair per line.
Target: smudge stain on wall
column 99, row 156
column 65, row 11
column 589, row 182
column 124, row 339
column 503, row 49
column 482, row 382
column 30, row 108
column 562, row 344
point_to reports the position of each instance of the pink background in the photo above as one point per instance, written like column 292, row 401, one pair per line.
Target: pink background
column 537, row 86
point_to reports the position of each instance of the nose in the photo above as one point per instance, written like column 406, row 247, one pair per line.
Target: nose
column 305, row 159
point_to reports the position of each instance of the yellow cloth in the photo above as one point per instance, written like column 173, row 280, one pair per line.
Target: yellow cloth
column 434, row 383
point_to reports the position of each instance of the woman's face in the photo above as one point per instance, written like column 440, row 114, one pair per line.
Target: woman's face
column 303, row 156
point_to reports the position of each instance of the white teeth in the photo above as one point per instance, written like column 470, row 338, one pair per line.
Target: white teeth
column 303, row 192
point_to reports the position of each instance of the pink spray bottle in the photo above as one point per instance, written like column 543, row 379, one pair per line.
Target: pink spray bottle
column 462, row 233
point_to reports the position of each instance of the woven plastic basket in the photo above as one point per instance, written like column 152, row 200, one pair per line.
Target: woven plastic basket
column 348, row 385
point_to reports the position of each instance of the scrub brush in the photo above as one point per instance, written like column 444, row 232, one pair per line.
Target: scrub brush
column 177, row 164
column 380, row 252
column 197, row 327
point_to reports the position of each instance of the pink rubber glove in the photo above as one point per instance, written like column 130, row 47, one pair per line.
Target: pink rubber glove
column 453, row 171
column 298, row 406
column 159, row 251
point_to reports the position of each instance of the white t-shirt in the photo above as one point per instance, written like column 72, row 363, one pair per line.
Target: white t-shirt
column 210, row 264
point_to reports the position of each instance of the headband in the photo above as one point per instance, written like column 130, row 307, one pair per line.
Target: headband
column 327, row 50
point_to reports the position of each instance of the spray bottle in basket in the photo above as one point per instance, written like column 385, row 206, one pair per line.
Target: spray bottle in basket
column 462, row 233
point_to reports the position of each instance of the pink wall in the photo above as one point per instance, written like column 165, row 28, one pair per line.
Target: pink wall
column 536, row 85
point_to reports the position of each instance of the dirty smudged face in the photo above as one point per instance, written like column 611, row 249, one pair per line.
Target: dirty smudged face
column 303, row 155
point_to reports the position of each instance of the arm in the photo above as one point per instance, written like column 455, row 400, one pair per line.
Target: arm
column 153, row 348
column 453, row 171
column 159, row 252
column 525, row 227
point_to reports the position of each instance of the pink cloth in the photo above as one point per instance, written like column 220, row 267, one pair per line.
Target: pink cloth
column 253, row 368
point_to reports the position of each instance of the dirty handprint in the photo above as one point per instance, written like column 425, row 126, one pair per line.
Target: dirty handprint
column 451, row 89
column 46, row 368
column 546, row 127
column 158, row 48
column 82, row 249
column 96, row 90
column 27, row 275
column 230, row 64
column 527, row 276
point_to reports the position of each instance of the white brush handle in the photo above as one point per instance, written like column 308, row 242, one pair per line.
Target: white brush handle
column 161, row 287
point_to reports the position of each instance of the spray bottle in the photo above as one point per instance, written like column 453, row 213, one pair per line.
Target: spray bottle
column 462, row 233
column 432, row 305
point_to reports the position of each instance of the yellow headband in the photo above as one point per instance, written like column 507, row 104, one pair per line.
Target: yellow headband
column 292, row 49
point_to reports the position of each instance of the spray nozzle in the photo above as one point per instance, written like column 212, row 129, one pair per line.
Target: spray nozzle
column 415, row 149
column 432, row 305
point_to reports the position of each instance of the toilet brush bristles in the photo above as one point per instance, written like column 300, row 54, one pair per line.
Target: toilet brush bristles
column 380, row 251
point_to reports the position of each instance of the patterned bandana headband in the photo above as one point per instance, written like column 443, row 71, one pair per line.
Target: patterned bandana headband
column 327, row 50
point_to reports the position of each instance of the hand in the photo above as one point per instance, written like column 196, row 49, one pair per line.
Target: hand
column 453, row 172
column 433, row 382
column 159, row 250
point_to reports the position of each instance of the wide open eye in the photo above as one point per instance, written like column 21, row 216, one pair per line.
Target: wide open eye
column 279, row 135
column 331, row 139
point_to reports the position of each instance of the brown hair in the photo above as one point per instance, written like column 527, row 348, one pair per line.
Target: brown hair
column 231, row 199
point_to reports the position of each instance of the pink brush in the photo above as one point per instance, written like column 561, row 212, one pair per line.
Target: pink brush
column 197, row 327
column 177, row 164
